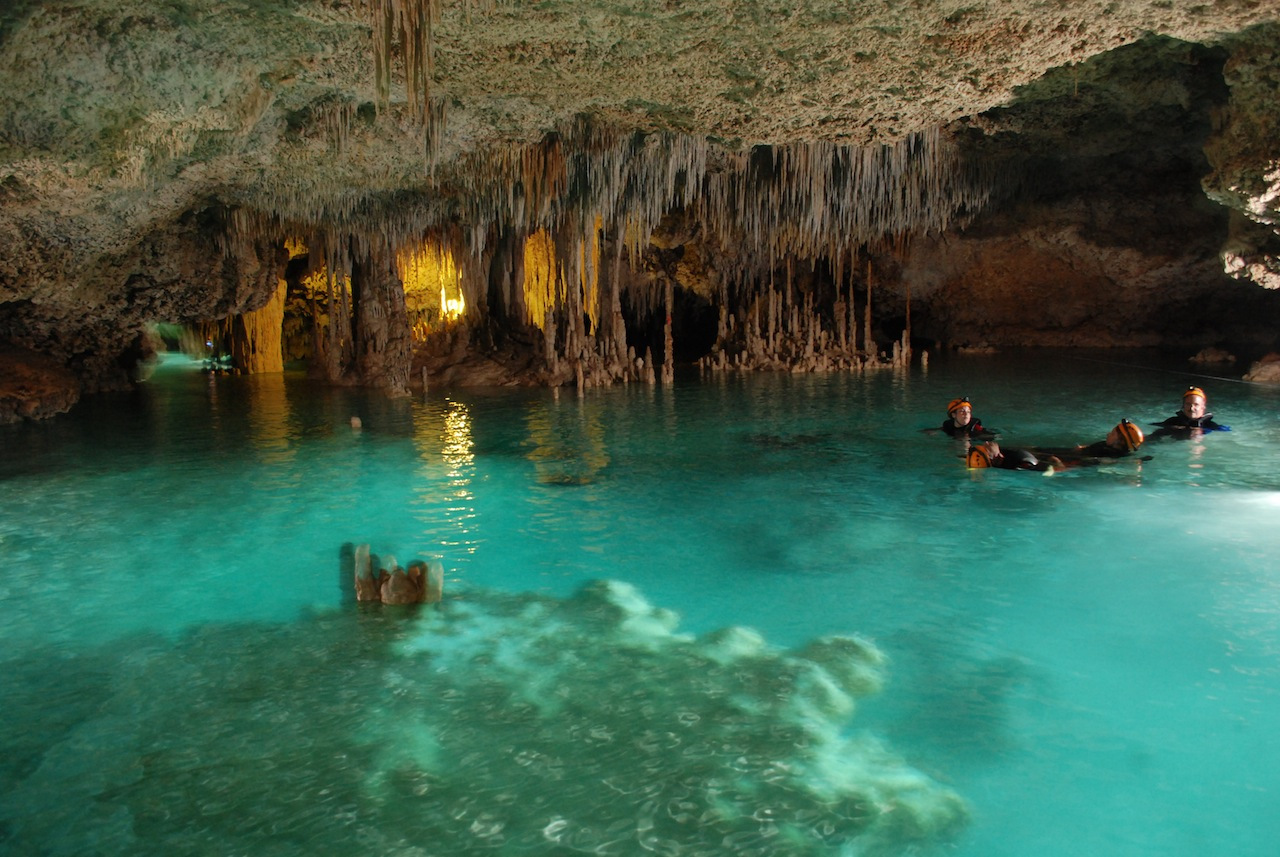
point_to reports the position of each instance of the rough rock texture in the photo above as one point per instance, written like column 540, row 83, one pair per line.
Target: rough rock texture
column 1112, row 242
column 33, row 386
column 153, row 156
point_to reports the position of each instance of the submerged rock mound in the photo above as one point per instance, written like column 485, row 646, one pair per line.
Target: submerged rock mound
column 517, row 724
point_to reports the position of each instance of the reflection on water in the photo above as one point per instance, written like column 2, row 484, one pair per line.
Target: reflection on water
column 1087, row 662
column 271, row 429
column 566, row 442
column 443, row 437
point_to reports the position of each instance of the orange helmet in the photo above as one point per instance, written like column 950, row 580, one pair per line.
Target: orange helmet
column 1195, row 391
column 978, row 456
column 1130, row 434
column 958, row 403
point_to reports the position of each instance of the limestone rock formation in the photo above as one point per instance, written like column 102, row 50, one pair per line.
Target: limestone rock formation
column 33, row 386
column 1017, row 172
column 382, row 579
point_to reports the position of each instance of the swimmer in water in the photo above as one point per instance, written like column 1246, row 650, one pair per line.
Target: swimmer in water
column 990, row 454
column 1121, row 441
column 1192, row 420
column 961, row 422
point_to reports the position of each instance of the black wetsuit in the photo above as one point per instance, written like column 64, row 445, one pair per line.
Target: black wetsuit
column 1076, row 456
column 973, row 428
column 1099, row 449
column 1183, row 426
column 1019, row 459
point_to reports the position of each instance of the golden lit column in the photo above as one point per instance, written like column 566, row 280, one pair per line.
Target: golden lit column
column 541, row 287
column 255, row 336
column 432, row 288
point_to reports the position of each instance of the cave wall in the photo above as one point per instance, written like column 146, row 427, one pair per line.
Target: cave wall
column 1114, row 241
column 1108, row 238
column 95, row 318
column 155, row 157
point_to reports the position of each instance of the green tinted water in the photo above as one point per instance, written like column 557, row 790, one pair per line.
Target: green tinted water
column 1086, row 663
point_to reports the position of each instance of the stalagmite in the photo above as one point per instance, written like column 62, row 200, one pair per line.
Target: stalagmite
column 421, row 582
column 669, row 357
column 906, row 332
column 433, row 581
column 368, row 586
column 383, row 349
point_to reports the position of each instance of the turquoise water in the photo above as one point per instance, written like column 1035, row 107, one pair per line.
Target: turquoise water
column 1080, row 663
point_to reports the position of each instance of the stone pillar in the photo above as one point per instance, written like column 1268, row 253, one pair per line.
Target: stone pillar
column 255, row 336
column 668, row 342
column 383, row 341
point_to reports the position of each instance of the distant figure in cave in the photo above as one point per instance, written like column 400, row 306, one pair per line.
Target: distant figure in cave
column 1192, row 420
column 990, row 454
column 961, row 422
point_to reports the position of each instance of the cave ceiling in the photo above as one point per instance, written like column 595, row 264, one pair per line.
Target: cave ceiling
column 134, row 131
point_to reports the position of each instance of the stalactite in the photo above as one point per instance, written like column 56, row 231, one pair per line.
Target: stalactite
column 408, row 24
column 335, row 120
column 869, row 343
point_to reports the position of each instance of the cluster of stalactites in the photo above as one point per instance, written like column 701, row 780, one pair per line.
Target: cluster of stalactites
column 590, row 186
column 802, row 201
column 823, row 201
column 562, row 275
column 563, row 199
column 583, row 173
column 409, row 25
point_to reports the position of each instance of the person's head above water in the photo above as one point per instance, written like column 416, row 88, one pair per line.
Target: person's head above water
column 983, row 454
column 960, row 411
column 1126, row 435
column 1194, row 402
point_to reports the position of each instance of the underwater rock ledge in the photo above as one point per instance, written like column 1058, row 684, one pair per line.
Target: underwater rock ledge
column 521, row 723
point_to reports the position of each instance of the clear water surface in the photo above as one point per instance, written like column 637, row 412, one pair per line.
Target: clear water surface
column 1085, row 663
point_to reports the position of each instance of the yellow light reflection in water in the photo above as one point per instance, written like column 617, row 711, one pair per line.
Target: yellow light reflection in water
column 457, row 449
column 269, row 418
column 446, row 448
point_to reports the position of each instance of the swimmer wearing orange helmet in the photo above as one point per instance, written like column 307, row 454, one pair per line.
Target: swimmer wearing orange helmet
column 990, row 454
column 960, row 420
column 1122, row 440
column 1192, row 419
